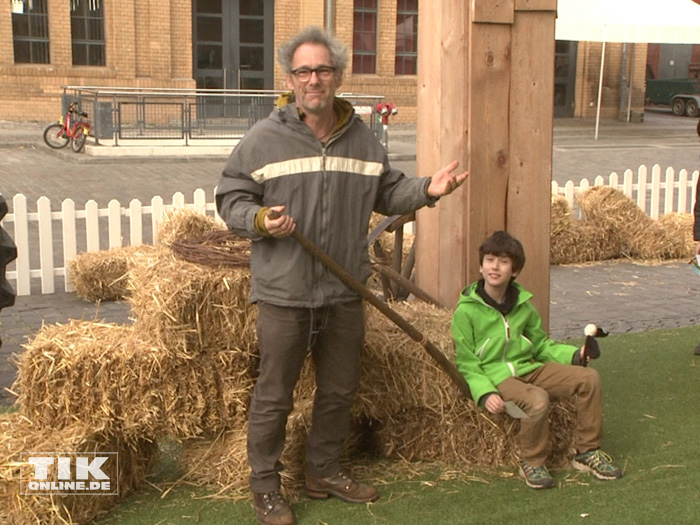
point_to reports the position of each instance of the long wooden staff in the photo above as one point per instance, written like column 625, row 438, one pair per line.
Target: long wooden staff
column 366, row 294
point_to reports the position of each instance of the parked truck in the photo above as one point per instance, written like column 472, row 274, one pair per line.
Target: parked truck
column 683, row 95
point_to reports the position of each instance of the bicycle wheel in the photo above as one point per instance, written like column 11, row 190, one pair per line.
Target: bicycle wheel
column 55, row 136
column 78, row 142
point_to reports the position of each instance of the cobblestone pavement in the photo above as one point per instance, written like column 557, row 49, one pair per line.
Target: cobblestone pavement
column 620, row 296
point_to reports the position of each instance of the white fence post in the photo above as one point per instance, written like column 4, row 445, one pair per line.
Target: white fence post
column 157, row 211
column 135, row 223
column 45, row 245
column 70, row 246
column 21, row 218
column 642, row 188
column 655, row 191
column 114, row 221
column 682, row 191
column 627, row 184
column 92, row 226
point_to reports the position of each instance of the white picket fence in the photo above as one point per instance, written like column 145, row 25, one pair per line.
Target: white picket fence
column 677, row 193
column 43, row 253
column 81, row 230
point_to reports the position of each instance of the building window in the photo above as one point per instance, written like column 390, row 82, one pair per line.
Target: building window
column 30, row 31
column 406, row 62
column 364, row 38
column 87, row 28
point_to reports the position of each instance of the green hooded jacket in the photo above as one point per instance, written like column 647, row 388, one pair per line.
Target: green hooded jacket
column 492, row 347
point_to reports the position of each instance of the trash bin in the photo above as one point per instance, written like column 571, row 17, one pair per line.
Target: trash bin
column 103, row 125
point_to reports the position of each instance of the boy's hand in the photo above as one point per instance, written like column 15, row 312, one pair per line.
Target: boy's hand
column 580, row 357
column 494, row 404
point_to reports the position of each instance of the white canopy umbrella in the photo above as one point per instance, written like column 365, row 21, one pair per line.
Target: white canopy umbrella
column 628, row 21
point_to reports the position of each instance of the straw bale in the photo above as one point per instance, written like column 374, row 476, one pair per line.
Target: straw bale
column 397, row 372
column 577, row 241
column 184, row 223
column 103, row 275
column 118, row 380
column 561, row 218
column 18, row 435
column 679, row 226
column 639, row 236
column 583, row 242
column 460, row 434
column 222, row 462
column 189, row 307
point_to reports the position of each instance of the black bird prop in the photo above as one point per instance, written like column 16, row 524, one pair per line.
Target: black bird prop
column 591, row 348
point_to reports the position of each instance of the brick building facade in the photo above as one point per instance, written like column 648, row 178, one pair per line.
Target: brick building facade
column 154, row 44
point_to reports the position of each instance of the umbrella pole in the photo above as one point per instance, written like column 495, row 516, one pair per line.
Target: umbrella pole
column 600, row 88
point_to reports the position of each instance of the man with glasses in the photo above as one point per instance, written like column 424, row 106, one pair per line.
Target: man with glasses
column 313, row 162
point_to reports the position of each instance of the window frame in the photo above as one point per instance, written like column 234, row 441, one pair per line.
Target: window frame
column 93, row 50
column 37, row 18
column 402, row 15
column 363, row 59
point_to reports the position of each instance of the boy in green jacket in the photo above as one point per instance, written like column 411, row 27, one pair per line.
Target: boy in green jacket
column 507, row 358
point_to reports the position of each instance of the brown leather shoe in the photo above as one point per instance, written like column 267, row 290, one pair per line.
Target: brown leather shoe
column 341, row 486
column 272, row 508
column 697, row 350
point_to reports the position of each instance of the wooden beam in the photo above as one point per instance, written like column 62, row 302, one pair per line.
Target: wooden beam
column 485, row 95
column 532, row 113
column 442, row 138
column 493, row 11
column 490, row 81
column 535, row 5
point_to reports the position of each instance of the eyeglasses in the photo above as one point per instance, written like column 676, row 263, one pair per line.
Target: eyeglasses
column 303, row 74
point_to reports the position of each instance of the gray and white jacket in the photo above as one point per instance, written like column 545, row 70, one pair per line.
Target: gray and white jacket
column 329, row 189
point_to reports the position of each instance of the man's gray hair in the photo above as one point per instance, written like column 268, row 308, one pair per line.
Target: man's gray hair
column 313, row 35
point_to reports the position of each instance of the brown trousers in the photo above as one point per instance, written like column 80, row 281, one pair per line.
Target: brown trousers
column 335, row 335
column 533, row 392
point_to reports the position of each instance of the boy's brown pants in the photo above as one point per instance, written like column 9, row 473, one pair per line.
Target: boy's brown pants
column 532, row 393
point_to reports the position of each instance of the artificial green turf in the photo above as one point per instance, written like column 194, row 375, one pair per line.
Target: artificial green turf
column 652, row 424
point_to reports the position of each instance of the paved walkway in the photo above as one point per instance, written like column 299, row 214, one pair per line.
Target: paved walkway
column 621, row 296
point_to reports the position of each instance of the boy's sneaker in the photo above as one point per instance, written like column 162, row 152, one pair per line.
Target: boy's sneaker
column 536, row 477
column 597, row 463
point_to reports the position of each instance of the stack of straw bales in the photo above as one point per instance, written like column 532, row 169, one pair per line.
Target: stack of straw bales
column 186, row 368
column 407, row 409
column 613, row 226
column 120, row 381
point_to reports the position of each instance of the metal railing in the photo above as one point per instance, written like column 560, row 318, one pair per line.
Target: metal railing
column 185, row 115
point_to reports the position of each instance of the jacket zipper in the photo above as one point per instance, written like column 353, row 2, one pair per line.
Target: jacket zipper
column 506, row 325
column 322, row 270
column 505, row 350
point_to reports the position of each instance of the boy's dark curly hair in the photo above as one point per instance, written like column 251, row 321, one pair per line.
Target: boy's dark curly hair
column 503, row 243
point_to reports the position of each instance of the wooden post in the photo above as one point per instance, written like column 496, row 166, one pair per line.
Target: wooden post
column 442, row 115
column 485, row 98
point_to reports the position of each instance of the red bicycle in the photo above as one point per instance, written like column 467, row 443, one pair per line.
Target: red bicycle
column 73, row 127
